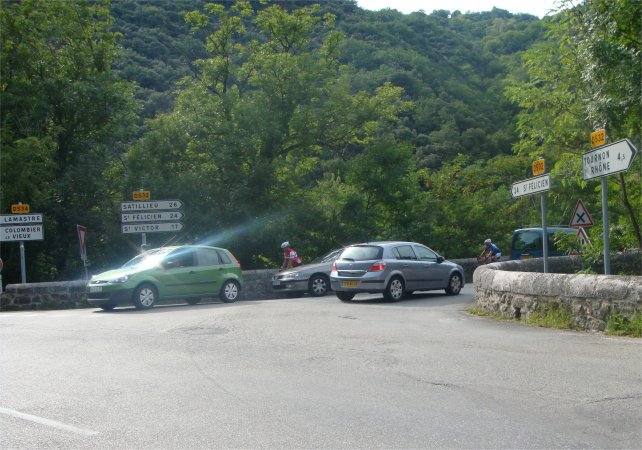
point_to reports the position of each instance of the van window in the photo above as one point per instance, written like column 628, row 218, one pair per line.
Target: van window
column 527, row 243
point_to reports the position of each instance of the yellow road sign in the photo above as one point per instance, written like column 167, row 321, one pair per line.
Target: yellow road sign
column 20, row 209
column 538, row 167
column 598, row 138
column 141, row 195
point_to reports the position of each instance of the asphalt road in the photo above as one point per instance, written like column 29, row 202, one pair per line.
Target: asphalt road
column 312, row 373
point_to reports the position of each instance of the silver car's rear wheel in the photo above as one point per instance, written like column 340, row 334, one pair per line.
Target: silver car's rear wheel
column 145, row 296
column 395, row 289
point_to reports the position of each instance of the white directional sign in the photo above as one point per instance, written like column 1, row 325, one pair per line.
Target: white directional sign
column 14, row 233
column 163, row 227
column 154, row 205
column 159, row 216
column 608, row 159
column 13, row 219
column 531, row 186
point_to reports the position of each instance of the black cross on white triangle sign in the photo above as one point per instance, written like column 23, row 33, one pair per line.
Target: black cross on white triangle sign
column 581, row 216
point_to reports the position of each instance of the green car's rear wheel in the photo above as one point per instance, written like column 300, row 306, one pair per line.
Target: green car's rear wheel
column 230, row 291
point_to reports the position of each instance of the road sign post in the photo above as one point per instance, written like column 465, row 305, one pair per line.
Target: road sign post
column 82, row 233
column 538, row 185
column 599, row 163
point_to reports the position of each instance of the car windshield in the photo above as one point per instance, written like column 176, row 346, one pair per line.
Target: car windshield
column 362, row 253
column 329, row 257
column 150, row 258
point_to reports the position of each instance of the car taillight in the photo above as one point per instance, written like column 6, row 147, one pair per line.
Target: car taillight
column 377, row 267
column 334, row 267
column 236, row 261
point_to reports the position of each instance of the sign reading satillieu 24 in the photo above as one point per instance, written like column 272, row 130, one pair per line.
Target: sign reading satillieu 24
column 608, row 159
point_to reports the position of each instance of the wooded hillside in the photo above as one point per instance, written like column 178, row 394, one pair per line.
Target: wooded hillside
column 320, row 124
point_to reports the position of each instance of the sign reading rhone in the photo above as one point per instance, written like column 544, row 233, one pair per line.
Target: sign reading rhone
column 154, row 205
column 531, row 186
column 609, row 159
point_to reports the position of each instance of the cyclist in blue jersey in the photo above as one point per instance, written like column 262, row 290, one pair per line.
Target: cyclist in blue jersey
column 491, row 251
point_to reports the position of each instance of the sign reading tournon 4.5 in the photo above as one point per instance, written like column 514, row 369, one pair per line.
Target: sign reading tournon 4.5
column 608, row 159
column 531, row 186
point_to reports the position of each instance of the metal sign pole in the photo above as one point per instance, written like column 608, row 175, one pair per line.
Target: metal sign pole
column 605, row 221
column 23, row 270
column 545, row 233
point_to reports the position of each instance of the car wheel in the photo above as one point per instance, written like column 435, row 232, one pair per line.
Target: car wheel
column 108, row 306
column 345, row 296
column 230, row 291
column 395, row 289
column 454, row 284
column 318, row 286
column 145, row 296
column 193, row 301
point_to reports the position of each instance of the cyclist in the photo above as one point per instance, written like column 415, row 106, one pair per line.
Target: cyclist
column 491, row 251
column 290, row 257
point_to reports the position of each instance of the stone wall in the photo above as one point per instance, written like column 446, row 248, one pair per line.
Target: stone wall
column 516, row 288
column 71, row 294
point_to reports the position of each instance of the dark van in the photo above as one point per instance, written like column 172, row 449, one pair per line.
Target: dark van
column 527, row 242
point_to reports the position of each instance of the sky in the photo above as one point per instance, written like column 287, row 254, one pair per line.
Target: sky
column 537, row 8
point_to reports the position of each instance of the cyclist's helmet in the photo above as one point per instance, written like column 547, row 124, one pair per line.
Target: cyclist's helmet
column 286, row 244
column 487, row 241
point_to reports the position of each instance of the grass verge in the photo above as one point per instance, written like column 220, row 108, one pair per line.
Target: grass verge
column 620, row 325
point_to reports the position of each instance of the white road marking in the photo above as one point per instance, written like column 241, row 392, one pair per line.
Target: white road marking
column 48, row 422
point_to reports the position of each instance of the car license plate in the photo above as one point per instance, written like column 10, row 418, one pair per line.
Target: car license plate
column 349, row 283
column 276, row 283
column 95, row 289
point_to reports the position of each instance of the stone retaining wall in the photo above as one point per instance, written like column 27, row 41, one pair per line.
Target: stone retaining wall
column 516, row 288
column 71, row 294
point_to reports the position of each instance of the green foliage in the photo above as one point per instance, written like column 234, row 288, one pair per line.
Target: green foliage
column 64, row 118
column 622, row 325
column 320, row 124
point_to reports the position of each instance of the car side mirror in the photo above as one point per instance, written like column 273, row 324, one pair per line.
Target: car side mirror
column 440, row 259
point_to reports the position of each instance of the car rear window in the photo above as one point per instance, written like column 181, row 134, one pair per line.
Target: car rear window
column 362, row 253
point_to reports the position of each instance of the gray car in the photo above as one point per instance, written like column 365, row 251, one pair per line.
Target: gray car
column 393, row 268
column 313, row 278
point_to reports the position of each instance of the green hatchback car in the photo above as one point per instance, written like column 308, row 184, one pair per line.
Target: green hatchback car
column 187, row 272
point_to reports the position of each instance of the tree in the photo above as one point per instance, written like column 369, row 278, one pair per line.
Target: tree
column 263, row 121
column 63, row 119
column 586, row 76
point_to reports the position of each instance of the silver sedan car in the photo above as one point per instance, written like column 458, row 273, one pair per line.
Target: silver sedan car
column 393, row 268
column 313, row 278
